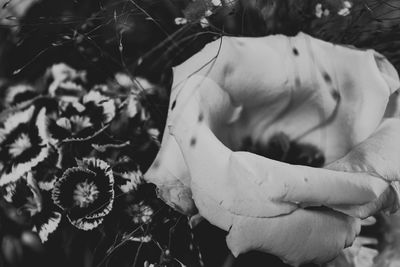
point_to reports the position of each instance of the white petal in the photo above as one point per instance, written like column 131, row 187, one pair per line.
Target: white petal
column 306, row 89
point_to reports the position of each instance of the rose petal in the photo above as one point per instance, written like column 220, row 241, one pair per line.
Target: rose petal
column 244, row 83
column 301, row 87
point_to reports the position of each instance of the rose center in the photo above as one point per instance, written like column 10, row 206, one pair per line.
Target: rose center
column 20, row 144
column 85, row 194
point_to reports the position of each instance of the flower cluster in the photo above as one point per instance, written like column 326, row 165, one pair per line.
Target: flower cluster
column 72, row 158
column 69, row 149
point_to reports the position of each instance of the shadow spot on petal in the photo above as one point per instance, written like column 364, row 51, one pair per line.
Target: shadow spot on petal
column 201, row 117
column 193, row 141
column 336, row 95
column 173, row 105
column 327, row 77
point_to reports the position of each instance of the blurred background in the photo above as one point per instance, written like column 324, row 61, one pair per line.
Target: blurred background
column 147, row 37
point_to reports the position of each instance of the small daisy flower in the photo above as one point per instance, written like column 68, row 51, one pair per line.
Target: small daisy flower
column 140, row 213
column 127, row 174
column 129, row 181
column 105, row 105
column 80, row 120
column 85, row 193
column 24, row 143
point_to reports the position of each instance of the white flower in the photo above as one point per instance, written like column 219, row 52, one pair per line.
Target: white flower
column 123, row 79
column 180, row 21
column 132, row 180
column 24, row 143
column 216, row 3
column 347, row 4
column 141, row 213
column 318, row 10
column 86, row 193
column 100, row 100
column 204, row 23
column 305, row 88
column 345, row 11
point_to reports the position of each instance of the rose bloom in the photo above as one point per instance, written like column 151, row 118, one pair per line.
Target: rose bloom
column 334, row 99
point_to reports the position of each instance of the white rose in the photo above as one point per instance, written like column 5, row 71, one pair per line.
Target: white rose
column 317, row 93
